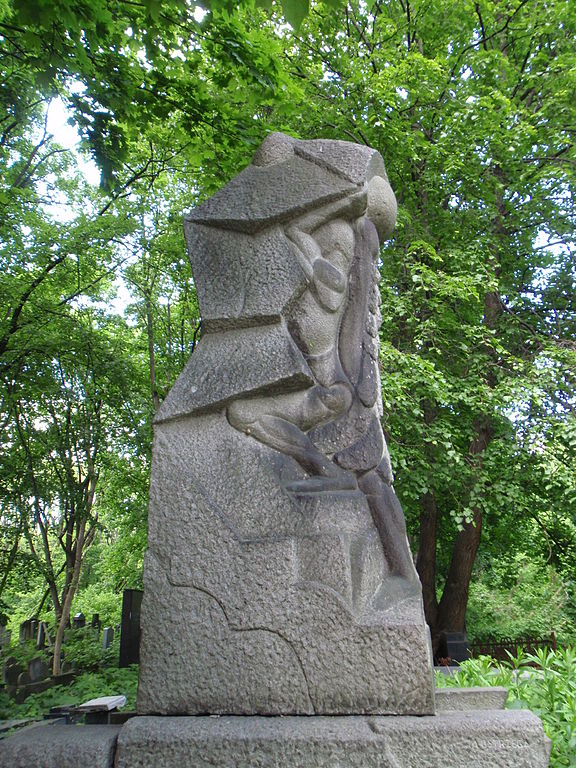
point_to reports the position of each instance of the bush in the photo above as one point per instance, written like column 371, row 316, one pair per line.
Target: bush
column 107, row 682
column 520, row 599
column 544, row 682
column 83, row 650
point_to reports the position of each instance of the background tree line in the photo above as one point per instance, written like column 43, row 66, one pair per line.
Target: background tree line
column 472, row 107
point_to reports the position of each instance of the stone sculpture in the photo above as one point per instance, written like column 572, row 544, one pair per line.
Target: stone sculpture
column 282, row 559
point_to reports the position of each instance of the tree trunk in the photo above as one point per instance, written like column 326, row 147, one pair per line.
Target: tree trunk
column 451, row 616
column 426, row 558
column 68, row 598
column 83, row 541
column 151, row 355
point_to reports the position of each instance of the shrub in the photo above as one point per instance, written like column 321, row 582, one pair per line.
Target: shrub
column 520, row 599
column 107, row 682
column 544, row 682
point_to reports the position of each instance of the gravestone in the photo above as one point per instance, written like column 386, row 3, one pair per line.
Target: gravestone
column 11, row 670
column 107, row 637
column 79, row 621
column 42, row 636
column 278, row 574
column 130, row 627
column 454, row 646
column 5, row 636
column 28, row 630
column 24, row 679
column 37, row 670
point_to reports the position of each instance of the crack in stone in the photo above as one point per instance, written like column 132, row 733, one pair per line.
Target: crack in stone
column 275, row 632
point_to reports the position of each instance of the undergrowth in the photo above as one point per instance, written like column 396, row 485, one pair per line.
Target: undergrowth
column 543, row 682
column 110, row 681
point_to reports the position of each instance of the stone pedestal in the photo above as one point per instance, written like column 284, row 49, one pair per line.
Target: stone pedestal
column 53, row 745
column 481, row 739
column 471, row 730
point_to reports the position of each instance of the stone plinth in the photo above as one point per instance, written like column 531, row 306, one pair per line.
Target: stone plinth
column 478, row 738
column 60, row 746
column 481, row 739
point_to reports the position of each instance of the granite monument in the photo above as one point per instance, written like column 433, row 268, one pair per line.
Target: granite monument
column 278, row 578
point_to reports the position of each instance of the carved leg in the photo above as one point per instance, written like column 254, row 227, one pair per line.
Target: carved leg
column 279, row 422
column 288, row 438
column 389, row 520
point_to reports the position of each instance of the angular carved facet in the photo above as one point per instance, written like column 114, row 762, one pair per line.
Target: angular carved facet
column 271, row 498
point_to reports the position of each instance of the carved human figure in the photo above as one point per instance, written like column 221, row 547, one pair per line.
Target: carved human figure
column 323, row 243
column 285, row 262
column 332, row 428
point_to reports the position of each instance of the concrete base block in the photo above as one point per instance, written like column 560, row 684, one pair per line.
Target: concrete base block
column 60, row 746
column 465, row 699
column 473, row 739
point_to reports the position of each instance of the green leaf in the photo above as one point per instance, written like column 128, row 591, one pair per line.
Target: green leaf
column 295, row 11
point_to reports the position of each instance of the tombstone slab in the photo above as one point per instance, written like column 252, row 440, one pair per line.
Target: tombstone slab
column 60, row 746
column 38, row 670
column 464, row 699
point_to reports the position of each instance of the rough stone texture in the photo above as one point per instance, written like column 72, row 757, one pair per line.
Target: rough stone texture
column 60, row 746
column 466, row 699
column 278, row 578
column 500, row 739
column 294, row 619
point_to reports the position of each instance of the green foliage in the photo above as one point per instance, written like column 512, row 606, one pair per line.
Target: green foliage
column 519, row 597
column 544, row 682
column 22, row 603
column 107, row 682
column 22, row 653
column 83, row 651
column 93, row 597
column 157, row 68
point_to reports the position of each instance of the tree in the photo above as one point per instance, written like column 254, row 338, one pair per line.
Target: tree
column 132, row 70
column 64, row 428
column 64, row 365
column 470, row 108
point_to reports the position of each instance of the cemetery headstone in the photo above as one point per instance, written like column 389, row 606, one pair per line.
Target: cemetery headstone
column 130, row 627
column 454, row 646
column 107, row 637
column 95, row 624
column 41, row 635
column 278, row 551
column 5, row 636
column 279, row 588
column 37, row 670
column 28, row 630
column 79, row 621
column 24, row 679
column 11, row 670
